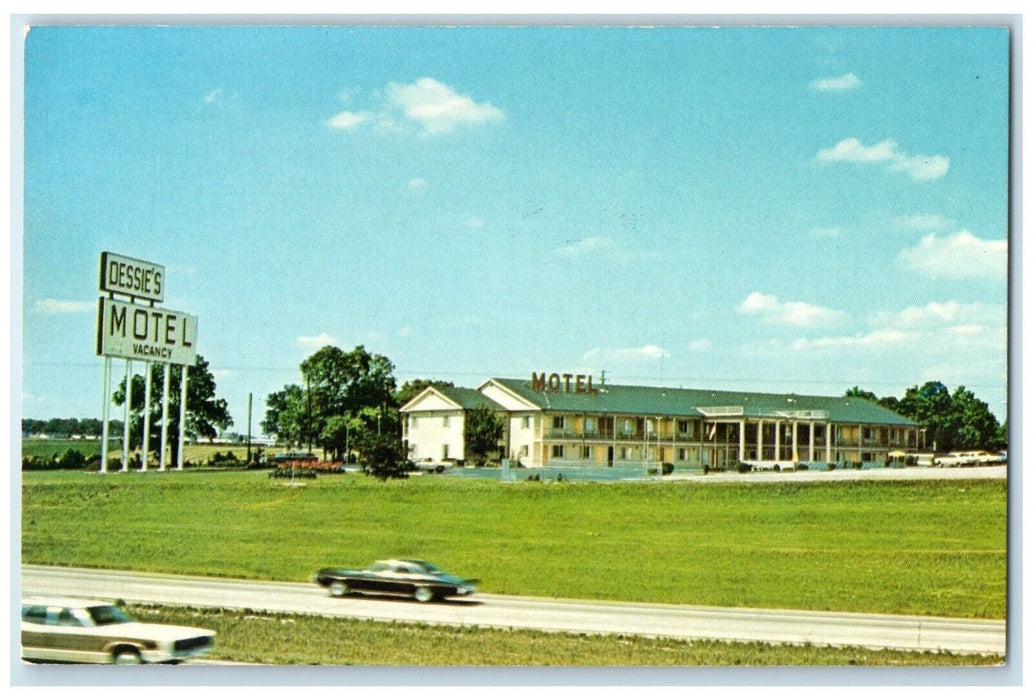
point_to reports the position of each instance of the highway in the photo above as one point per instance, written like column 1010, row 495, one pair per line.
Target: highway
column 658, row 620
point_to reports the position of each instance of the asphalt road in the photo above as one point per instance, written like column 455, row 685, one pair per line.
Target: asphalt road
column 676, row 621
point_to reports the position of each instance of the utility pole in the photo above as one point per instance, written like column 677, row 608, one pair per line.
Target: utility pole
column 249, row 428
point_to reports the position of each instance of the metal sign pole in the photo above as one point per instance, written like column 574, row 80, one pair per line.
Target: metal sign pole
column 105, row 409
column 164, row 416
column 125, row 419
column 182, row 417
column 146, row 449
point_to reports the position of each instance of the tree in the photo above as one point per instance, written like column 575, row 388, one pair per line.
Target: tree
column 482, row 432
column 205, row 413
column 952, row 421
column 384, row 457
column 353, row 389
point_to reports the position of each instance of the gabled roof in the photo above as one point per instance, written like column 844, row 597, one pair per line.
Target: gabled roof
column 460, row 397
column 663, row 401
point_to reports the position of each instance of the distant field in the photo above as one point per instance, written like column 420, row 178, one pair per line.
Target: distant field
column 194, row 454
column 930, row 548
column 248, row 637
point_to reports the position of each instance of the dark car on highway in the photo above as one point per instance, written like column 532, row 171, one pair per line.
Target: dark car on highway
column 403, row 577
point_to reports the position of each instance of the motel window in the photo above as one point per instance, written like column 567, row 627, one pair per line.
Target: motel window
column 559, row 422
column 444, row 451
column 527, row 422
column 685, row 427
column 589, row 425
column 682, row 454
column 586, row 452
column 524, row 450
column 557, row 451
column 650, row 426
column 625, row 453
column 412, row 422
column 444, row 421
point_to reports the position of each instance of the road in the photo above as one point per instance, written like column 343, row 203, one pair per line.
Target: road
column 659, row 620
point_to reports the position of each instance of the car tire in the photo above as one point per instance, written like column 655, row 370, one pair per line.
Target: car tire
column 423, row 594
column 339, row 589
column 126, row 656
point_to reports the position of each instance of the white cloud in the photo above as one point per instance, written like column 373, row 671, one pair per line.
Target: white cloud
column 646, row 352
column 888, row 153
column 406, row 332
column 316, row 341
column 64, row 306
column 348, row 120
column 843, row 82
column 417, row 183
column 438, row 108
column 923, row 222
column 473, row 222
column 937, row 314
column 789, row 313
column 699, row 345
column 431, row 106
column 875, row 340
column 960, row 255
column 213, row 95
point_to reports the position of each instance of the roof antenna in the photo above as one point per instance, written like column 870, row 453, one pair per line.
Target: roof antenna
column 602, row 377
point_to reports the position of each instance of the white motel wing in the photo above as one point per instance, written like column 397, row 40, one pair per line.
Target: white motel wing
column 146, row 333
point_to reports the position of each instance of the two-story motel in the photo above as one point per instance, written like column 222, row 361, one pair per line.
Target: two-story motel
column 566, row 420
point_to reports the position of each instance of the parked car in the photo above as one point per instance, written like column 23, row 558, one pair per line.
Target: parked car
column 99, row 632
column 406, row 577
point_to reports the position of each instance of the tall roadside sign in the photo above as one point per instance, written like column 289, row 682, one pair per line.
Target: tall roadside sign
column 137, row 329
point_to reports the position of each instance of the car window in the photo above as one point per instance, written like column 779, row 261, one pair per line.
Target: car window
column 108, row 615
column 67, row 618
column 34, row 613
column 379, row 566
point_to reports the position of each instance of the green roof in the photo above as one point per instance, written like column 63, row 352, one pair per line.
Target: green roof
column 663, row 401
column 468, row 398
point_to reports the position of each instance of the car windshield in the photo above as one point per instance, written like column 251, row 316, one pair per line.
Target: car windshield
column 108, row 615
column 379, row 566
column 428, row 567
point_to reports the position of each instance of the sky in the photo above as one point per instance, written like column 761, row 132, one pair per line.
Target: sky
column 795, row 210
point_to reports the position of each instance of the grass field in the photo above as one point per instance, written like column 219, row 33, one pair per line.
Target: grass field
column 930, row 548
column 249, row 637
column 194, row 454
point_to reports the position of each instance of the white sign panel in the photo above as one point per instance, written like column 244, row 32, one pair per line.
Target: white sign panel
column 136, row 278
column 145, row 333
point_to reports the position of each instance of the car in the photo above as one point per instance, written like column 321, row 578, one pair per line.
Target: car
column 72, row 630
column 955, row 459
column 400, row 577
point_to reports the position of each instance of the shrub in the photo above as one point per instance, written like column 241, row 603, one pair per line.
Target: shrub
column 706, row 468
column 801, row 467
column 743, row 468
column 668, row 468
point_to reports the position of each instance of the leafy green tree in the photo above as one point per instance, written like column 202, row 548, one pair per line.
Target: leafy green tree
column 206, row 414
column 384, row 457
column 286, row 415
column 482, row 432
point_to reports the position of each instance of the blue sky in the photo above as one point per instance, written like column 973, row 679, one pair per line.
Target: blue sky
column 770, row 209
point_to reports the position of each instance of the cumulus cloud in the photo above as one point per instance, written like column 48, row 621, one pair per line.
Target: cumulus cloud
column 843, row 82
column 348, row 120
column 788, row 313
column 889, row 154
column 213, row 95
column 587, row 245
column 427, row 104
column 64, row 306
column 417, row 183
column 473, row 222
column 936, row 314
column 316, row 341
column 699, row 345
column 829, row 232
column 646, row 352
column 960, row 255
column 923, row 222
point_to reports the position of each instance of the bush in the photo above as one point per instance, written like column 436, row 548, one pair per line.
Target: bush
column 743, row 468
column 668, row 468
column 288, row 473
column 801, row 467
column 706, row 468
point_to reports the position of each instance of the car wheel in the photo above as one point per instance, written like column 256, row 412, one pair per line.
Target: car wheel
column 126, row 656
column 423, row 594
column 338, row 589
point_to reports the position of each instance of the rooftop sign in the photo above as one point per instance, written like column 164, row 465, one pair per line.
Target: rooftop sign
column 582, row 384
column 132, row 277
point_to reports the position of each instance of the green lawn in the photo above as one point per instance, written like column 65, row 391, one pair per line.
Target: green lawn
column 931, row 548
column 248, row 637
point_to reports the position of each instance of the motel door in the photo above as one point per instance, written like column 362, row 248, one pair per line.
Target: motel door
column 609, row 456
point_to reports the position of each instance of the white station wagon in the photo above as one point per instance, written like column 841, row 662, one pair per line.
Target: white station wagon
column 99, row 632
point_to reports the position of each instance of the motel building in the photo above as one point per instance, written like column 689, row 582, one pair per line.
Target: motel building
column 567, row 421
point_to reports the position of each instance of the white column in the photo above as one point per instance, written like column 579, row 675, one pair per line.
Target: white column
column 810, row 452
column 828, row 442
column 146, row 449
column 164, row 418
column 795, row 456
column 182, row 417
column 778, row 440
column 742, row 440
column 760, row 439
column 105, row 410
column 125, row 420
